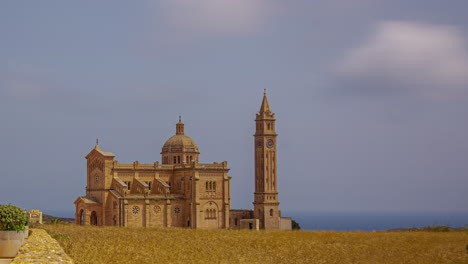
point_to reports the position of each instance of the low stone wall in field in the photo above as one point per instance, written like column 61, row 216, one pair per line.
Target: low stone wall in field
column 41, row 248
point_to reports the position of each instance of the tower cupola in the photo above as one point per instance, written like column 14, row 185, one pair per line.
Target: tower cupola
column 180, row 127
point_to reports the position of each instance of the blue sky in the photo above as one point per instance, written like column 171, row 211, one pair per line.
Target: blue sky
column 370, row 96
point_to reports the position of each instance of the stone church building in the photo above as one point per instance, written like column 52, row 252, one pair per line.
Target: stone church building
column 180, row 191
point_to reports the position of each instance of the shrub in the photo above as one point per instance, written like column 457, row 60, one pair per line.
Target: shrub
column 12, row 218
column 54, row 221
column 295, row 225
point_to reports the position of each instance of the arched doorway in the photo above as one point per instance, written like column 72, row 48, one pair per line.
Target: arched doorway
column 93, row 218
column 81, row 215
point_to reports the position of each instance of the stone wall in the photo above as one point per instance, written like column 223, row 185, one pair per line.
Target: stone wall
column 41, row 248
column 236, row 215
column 285, row 223
column 250, row 224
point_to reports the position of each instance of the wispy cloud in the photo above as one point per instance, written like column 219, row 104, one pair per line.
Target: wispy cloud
column 411, row 57
column 25, row 87
column 231, row 16
column 32, row 84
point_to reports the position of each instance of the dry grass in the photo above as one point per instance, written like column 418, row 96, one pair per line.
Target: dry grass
column 140, row 245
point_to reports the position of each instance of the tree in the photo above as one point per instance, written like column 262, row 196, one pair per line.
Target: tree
column 295, row 225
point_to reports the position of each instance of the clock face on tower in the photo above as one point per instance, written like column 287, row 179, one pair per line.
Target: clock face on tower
column 259, row 143
column 270, row 143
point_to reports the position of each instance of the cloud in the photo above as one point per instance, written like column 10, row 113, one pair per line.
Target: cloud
column 232, row 16
column 30, row 84
column 409, row 57
column 24, row 87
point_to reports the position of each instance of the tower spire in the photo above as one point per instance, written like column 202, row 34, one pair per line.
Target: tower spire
column 265, row 108
column 266, row 204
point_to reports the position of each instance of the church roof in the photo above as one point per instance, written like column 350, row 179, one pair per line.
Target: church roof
column 180, row 142
column 109, row 154
column 87, row 200
column 98, row 149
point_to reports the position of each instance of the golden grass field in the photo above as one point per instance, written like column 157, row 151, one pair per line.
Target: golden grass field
column 143, row 245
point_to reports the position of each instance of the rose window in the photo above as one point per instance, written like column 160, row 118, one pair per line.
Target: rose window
column 135, row 209
column 177, row 210
column 157, row 209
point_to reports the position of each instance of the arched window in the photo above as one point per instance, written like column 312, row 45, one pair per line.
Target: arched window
column 235, row 221
column 149, row 185
column 175, row 159
column 81, row 217
column 271, row 212
column 214, row 186
column 94, row 219
column 178, row 159
column 269, row 126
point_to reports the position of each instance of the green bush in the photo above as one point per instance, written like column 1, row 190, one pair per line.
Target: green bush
column 54, row 221
column 12, row 218
column 295, row 225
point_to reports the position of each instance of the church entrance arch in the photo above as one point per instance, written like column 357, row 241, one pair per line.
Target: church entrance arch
column 93, row 219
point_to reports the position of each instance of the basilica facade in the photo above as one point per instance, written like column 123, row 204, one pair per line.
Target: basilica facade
column 180, row 191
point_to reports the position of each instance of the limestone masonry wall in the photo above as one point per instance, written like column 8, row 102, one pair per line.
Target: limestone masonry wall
column 41, row 248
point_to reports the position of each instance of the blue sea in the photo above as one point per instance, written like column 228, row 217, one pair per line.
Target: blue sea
column 361, row 221
column 369, row 221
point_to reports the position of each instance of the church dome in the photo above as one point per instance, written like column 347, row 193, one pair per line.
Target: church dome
column 180, row 143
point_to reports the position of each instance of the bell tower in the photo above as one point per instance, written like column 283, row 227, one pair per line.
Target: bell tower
column 266, row 204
